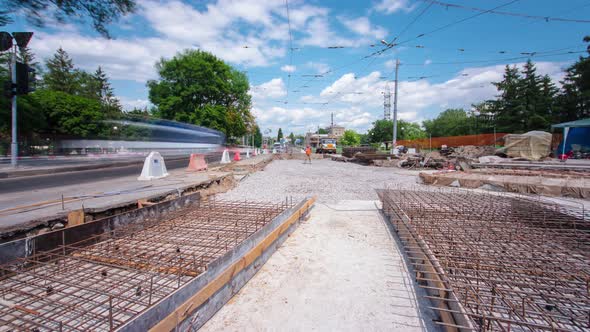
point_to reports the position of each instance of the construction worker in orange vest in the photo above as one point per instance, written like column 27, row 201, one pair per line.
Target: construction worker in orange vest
column 307, row 154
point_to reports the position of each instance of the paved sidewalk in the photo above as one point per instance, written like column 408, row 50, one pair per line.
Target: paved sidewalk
column 340, row 271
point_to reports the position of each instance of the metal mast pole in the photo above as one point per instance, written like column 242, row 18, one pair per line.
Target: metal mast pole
column 395, row 107
column 14, row 143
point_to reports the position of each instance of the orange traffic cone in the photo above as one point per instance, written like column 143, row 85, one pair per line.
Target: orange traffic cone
column 237, row 156
column 197, row 162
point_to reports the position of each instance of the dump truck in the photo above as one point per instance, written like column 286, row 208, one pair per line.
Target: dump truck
column 327, row 145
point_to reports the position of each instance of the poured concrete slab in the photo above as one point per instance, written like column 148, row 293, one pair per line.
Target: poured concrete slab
column 340, row 270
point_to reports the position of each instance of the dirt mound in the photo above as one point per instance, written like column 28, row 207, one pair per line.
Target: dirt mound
column 473, row 152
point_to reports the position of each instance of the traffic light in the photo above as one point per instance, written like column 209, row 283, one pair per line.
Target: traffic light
column 25, row 79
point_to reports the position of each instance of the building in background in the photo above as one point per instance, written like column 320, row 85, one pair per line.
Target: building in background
column 336, row 131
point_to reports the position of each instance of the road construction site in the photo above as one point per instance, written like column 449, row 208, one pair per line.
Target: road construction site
column 273, row 243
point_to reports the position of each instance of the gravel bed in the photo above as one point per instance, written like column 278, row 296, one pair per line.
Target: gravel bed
column 331, row 181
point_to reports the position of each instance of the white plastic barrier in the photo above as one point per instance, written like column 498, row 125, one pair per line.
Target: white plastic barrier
column 248, row 154
column 225, row 157
column 153, row 167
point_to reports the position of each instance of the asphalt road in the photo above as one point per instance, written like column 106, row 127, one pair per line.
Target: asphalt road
column 42, row 162
column 70, row 178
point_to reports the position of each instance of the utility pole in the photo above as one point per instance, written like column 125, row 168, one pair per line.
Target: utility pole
column 14, row 143
column 395, row 108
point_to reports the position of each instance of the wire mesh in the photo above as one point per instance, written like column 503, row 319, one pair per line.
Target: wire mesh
column 105, row 281
column 512, row 264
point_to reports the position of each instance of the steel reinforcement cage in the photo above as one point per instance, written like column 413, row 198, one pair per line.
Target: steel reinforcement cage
column 107, row 280
column 494, row 262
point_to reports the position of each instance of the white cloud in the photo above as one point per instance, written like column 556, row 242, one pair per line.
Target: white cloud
column 319, row 33
column 357, row 90
column 289, row 68
column 389, row 64
column 427, row 62
column 274, row 88
column 363, row 27
column 319, row 67
column 392, row 6
column 302, row 119
column 131, row 103
column 357, row 101
column 180, row 26
column 131, row 59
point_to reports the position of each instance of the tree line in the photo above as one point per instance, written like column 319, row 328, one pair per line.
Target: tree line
column 193, row 87
column 526, row 101
column 68, row 102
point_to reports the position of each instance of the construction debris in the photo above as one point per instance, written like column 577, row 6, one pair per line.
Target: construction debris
column 496, row 263
column 351, row 151
column 447, row 158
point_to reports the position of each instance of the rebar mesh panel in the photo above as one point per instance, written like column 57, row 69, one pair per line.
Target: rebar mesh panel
column 103, row 282
column 514, row 264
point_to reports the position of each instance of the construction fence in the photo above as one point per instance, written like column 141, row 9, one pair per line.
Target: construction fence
column 453, row 141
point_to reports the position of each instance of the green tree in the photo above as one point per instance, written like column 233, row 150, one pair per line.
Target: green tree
column 139, row 112
column 322, row 131
column 70, row 115
column 280, row 135
column 451, row 122
column 257, row 136
column 508, row 108
column 409, row 130
column 196, row 87
column 100, row 12
column 382, row 131
column 537, row 112
column 350, row 138
column 292, row 138
column 574, row 97
column 110, row 104
column 365, row 139
column 527, row 100
column 60, row 75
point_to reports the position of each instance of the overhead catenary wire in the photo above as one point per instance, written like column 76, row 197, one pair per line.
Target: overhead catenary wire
column 391, row 45
column 332, row 100
column 448, row 25
column 290, row 48
column 535, row 17
column 323, row 76
column 494, row 60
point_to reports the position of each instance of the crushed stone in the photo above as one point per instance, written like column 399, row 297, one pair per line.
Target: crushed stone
column 331, row 181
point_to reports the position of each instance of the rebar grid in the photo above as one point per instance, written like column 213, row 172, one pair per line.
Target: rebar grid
column 103, row 282
column 512, row 264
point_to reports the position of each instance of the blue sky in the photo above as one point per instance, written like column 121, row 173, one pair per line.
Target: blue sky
column 452, row 65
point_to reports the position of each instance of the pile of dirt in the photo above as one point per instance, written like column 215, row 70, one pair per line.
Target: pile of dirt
column 472, row 152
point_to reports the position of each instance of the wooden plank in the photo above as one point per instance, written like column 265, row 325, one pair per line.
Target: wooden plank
column 183, row 311
column 75, row 218
column 430, row 275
